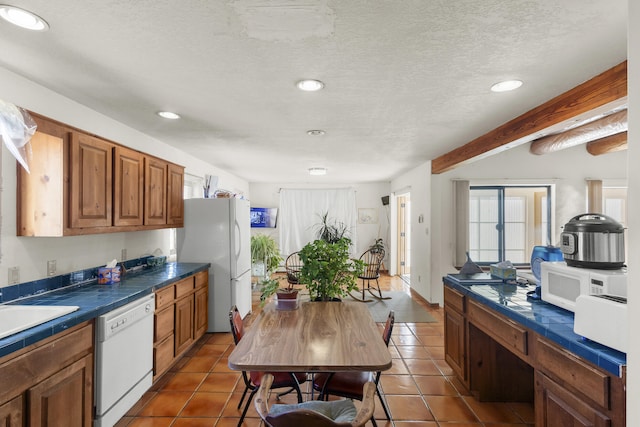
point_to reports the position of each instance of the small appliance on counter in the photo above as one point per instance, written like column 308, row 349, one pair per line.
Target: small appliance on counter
column 603, row 319
column 593, row 241
column 539, row 255
column 561, row 284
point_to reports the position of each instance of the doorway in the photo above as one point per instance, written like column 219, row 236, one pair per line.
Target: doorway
column 404, row 236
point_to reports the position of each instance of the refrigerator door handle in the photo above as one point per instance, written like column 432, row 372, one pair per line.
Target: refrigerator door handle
column 238, row 239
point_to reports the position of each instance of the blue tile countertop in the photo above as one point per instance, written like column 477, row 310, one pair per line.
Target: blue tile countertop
column 546, row 319
column 93, row 300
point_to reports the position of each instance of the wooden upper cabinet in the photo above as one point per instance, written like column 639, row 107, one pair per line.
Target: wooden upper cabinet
column 90, row 198
column 155, row 200
column 40, row 201
column 83, row 184
column 128, row 187
column 175, row 197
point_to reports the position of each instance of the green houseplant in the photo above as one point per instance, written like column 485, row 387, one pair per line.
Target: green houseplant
column 265, row 255
column 328, row 272
column 330, row 230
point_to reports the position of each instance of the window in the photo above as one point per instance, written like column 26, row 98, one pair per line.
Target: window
column 506, row 222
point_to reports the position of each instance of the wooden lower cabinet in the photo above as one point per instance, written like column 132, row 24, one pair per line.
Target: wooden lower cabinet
column 184, row 332
column 64, row 399
column 11, row 413
column 180, row 320
column 501, row 360
column 454, row 344
column 51, row 383
column 558, row 407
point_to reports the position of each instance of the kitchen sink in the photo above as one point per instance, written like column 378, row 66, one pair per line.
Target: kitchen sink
column 17, row 318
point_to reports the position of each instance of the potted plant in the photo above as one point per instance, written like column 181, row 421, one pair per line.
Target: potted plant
column 328, row 272
column 377, row 247
column 265, row 255
column 330, row 231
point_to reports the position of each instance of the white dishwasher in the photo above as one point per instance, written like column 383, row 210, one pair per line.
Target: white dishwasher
column 124, row 359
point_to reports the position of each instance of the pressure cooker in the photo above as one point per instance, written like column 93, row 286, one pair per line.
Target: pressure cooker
column 593, row 241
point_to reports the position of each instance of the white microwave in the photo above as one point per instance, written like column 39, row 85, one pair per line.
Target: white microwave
column 561, row 285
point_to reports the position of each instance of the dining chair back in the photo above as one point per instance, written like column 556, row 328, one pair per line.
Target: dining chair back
column 293, row 265
column 252, row 380
column 336, row 413
column 349, row 384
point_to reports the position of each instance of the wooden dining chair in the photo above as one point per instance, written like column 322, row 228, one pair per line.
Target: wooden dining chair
column 349, row 384
column 314, row 413
column 253, row 380
column 293, row 265
column 372, row 259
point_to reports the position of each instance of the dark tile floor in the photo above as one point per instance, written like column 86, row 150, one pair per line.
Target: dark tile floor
column 420, row 388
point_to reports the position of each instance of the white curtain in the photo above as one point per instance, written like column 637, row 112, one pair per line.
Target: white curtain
column 302, row 209
column 461, row 221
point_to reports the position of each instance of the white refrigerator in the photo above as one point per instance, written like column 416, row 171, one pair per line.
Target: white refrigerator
column 219, row 231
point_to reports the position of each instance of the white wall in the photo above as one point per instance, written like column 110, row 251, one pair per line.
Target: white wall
column 267, row 195
column 418, row 183
column 30, row 254
column 633, row 233
column 567, row 169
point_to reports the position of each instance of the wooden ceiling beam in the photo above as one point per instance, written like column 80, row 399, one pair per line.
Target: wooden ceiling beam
column 602, row 89
column 608, row 144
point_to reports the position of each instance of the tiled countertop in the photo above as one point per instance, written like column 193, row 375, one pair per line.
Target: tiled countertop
column 95, row 300
column 550, row 321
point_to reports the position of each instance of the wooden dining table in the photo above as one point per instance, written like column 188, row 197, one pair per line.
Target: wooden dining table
column 314, row 337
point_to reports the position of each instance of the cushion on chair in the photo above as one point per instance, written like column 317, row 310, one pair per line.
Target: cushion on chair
column 280, row 379
column 340, row 411
column 347, row 384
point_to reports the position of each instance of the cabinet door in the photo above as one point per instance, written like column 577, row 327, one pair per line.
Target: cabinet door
column 64, row 399
column 184, row 324
column 175, row 198
column 91, row 182
column 11, row 413
column 558, row 407
column 201, row 318
column 155, row 197
column 129, row 187
column 455, row 343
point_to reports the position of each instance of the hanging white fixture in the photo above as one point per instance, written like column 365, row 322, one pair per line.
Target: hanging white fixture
column 315, row 132
column 309, row 85
column 23, row 18
column 506, row 86
column 317, row 171
column 168, row 115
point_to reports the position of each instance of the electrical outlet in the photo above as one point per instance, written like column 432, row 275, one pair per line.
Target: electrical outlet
column 14, row 275
column 51, row 267
column 123, row 254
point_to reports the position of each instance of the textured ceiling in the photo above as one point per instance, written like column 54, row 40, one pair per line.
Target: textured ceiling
column 406, row 81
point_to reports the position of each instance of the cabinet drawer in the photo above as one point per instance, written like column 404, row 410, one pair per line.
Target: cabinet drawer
column 163, row 325
column 566, row 367
column 202, row 279
column 184, row 287
column 503, row 330
column 163, row 356
column 164, row 297
column 454, row 299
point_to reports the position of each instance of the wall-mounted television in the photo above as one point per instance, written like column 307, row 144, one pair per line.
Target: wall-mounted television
column 264, row 217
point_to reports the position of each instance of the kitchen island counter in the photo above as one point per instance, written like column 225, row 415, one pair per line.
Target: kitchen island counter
column 92, row 299
column 551, row 322
column 505, row 346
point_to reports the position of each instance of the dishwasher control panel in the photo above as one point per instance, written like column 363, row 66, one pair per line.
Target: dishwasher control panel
column 121, row 318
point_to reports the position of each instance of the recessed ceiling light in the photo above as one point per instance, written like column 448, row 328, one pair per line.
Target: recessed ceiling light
column 506, row 85
column 317, row 171
column 310, row 85
column 315, row 132
column 22, row 18
column 168, row 115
